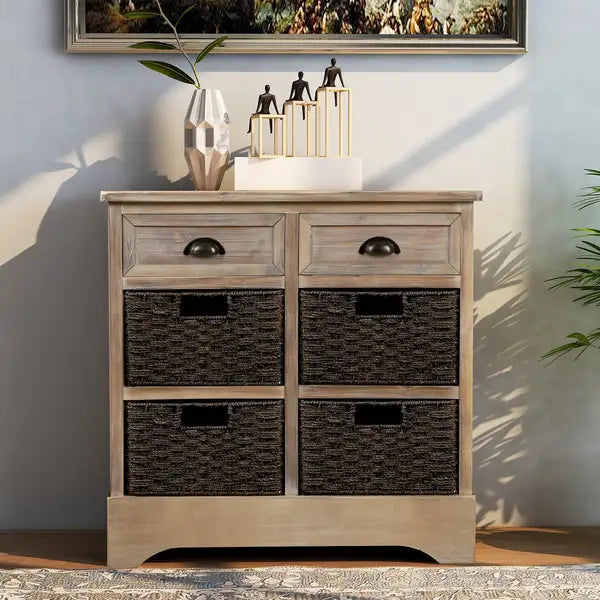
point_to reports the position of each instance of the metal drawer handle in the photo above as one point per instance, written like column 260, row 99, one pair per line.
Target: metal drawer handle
column 204, row 248
column 379, row 246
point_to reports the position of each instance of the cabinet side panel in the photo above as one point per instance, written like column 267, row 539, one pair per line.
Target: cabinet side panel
column 466, row 355
column 115, row 336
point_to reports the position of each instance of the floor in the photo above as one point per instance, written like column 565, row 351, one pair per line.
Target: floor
column 506, row 546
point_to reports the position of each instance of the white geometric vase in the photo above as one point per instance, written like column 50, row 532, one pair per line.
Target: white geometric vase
column 207, row 147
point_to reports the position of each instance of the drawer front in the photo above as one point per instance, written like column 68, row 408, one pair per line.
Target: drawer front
column 379, row 337
column 380, row 244
column 204, row 448
column 371, row 447
column 240, row 244
column 202, row 338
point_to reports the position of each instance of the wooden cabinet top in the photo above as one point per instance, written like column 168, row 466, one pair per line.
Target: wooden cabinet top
column 133, row 197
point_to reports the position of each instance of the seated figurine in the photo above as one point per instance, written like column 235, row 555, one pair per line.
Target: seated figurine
column 331, row 74
column 263, row 107
column 297, row 92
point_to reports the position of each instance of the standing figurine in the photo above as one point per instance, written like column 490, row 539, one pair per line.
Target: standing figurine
column 297, row 92
column 330, row 76
column 263, row 107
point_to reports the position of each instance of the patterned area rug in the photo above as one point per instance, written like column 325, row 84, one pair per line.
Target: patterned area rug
column 281, row 583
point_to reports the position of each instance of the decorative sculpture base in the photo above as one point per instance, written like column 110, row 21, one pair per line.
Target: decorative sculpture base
column 344, row 121
column 257, row 148
column 301, row 173
column 311, row 118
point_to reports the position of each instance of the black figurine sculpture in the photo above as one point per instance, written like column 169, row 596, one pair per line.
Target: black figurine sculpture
column 263, row 107
column 297, row 92
column 331, row 75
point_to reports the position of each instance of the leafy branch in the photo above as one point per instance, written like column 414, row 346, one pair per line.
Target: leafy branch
column 166, row 68
column 584, row 278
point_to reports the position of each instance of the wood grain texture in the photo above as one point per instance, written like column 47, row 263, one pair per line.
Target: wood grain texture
column 129, row 247
column 153, row 245
column 324, row 206
column 441, row 526
column 380, row 281
column 291, row 355
column 330, row 243
column 501, row 546
column 207, row 283
column 382, row 392
column 115, row 348
column 466, row 356
column 127, row 197
column 202, row 393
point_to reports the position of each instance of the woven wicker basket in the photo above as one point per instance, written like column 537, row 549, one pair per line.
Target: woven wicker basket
column 379, row 337
column 204, row 338
column 210, row 448
column 370, row 447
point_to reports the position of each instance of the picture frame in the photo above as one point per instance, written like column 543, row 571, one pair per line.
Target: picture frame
column 80, row 41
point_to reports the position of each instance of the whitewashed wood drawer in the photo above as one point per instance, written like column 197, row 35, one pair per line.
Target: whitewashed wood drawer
column 202, row 245
column 380, row 244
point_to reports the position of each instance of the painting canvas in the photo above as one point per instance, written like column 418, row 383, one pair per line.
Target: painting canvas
column 311, row 25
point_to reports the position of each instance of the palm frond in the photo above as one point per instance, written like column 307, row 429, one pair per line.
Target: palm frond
column 583, row 278
column 592, row 193
column 581, row 343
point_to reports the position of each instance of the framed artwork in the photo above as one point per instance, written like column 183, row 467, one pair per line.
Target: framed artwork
column 308, row 26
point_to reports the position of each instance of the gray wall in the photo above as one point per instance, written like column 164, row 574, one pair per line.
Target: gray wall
column 522, row 129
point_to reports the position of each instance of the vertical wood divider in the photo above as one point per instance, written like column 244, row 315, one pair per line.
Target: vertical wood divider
column 291, row 354
column 466, row 355
column 115, row 355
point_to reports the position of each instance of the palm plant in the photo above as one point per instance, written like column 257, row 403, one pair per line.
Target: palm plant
column 166, row 68
column 583, row 278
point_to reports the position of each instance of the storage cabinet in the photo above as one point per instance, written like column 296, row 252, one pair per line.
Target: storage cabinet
column 290, row 369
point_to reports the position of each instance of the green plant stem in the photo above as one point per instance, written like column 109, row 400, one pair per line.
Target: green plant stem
column 179, row 44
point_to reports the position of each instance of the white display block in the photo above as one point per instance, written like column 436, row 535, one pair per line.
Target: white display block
column 301, row 173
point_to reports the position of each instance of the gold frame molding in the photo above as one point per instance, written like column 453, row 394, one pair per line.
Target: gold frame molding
column 78, row 41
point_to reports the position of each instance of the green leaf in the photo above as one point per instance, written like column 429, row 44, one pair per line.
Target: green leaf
column 561, row 351
column 153, row 46
column 185, row 12
column 209, row 48
column 582, row 339
column 169, row 70
column 141, row 14
column 587, row 231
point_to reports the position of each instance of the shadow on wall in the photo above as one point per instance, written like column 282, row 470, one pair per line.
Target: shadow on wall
column 501, row 455
column 53, row 301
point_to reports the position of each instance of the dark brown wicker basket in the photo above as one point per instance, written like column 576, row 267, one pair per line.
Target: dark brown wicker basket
column 204, row 448
column 371, row 447
column 379, row 337
column 204, row 338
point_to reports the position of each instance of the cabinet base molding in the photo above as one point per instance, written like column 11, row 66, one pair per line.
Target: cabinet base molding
column 139, row 527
